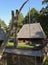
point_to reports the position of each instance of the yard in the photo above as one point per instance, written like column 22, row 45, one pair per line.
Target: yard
column 46, row 62
column 20, row 45
column 25, row 46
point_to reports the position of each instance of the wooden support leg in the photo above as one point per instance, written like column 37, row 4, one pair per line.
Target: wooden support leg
column 18, row 60
column 4, row 61
column 35, row 61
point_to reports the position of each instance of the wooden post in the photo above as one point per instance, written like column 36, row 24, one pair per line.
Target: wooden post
column 4, row 62
column 35, row 60
column 12, row 18
column 18, row 60
column 15, row 29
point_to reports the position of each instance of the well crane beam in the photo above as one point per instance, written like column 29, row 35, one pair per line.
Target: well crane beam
column 3, row 46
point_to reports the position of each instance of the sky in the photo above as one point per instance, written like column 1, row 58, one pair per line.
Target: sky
column 6, row 6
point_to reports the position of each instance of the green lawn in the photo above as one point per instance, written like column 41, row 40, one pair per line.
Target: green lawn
column 20, row 45
column 23, row 45
column 46, row 62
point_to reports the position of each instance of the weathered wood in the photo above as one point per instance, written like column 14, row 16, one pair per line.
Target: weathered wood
column 24, row 52
column 2, row 48
column 15, row 29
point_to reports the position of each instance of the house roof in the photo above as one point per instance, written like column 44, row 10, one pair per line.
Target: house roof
column 31, row 31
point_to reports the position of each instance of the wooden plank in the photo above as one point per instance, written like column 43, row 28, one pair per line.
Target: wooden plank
column 2, row 48
column 24, row 52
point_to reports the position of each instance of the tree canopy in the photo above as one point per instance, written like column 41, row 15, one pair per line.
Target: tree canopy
column 20, row 23
column 32, row 14
column 44, row 1
column 38, row 16
column 2, row 23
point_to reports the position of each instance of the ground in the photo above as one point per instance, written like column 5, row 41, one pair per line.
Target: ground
column 24, row 45
column 20, row 45
column 46, row 62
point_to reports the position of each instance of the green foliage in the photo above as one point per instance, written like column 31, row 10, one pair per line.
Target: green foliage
column 44, row 17
column 41, row 17
column 20, row 21
column 33, row 16
column 7, row 28
column 46, row 62
column 20, row 24
column 20, row 45
column 44, row 1
column 2, row 23
column 44, row 22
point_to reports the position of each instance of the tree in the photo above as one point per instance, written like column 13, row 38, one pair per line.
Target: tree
column 33, row 16
column 45, row 2
column 20, row 23
column 44, row 16
column 43, row 19
column 3, row 24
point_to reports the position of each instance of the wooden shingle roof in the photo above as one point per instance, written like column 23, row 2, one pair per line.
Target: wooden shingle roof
column 31, row 31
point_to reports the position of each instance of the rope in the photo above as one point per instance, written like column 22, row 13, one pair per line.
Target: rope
column 29, row 20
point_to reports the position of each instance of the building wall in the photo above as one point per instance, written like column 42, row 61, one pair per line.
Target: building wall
column 11, row 59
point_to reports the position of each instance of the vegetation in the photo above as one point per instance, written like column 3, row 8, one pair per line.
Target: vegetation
column 20, row 45
column 2, row 23
column 44, row 1
column 35, row 16
column 41, row 17
column 46, row 62
column 20, row 23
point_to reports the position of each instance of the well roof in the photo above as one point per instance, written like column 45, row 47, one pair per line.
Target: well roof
column 31, row 31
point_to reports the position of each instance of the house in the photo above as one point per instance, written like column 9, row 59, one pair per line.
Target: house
column 35, row 34
column 32, row 32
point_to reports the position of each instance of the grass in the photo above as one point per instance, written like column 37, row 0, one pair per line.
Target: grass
column 46, row 62
column 20, row 45
column 23, row 45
